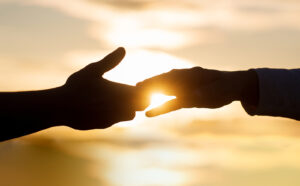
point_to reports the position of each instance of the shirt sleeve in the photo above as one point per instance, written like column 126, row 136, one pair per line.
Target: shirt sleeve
column 279, row 93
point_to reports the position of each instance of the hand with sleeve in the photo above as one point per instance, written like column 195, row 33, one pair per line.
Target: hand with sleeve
column 202, row 88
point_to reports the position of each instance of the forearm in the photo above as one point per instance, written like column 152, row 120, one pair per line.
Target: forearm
column 22, row 113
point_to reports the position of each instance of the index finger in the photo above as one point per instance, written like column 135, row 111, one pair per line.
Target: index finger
column 174, row 82
column 164, row 83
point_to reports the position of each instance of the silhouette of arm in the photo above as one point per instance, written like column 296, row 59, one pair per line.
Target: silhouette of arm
column 23, row 113
column 259, row 91
column 86, row 101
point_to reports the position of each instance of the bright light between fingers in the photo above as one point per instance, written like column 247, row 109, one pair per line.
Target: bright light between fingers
column 158, row 99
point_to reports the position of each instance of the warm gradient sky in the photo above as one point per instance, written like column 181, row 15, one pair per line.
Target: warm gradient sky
column 43, row 41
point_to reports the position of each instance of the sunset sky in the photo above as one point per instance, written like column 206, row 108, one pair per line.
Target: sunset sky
column 42, row 42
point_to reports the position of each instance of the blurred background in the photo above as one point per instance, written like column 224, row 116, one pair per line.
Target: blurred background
column 43, row 41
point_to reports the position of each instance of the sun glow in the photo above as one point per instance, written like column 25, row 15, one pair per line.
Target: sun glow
column 158, row 99
column 135, row 67
column 139, row 65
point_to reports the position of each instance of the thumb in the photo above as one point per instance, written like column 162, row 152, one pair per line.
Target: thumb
column 169, row 106
column 107, row 63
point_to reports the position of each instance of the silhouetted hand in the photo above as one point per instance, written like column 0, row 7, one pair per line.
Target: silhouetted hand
column 202, row 88
column 93, row 102
column 86, row 101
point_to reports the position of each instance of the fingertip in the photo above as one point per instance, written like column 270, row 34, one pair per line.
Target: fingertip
column 150, row 114
column 118, row 54
column 121, row 50
column 155, row 112
column 141, row 106
column 132, row 115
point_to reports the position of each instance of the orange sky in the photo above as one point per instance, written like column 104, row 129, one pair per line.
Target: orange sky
column 43, row 41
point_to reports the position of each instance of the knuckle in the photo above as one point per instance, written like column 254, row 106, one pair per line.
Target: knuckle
column 174, row 70
column 196, row 69
column 88, row 67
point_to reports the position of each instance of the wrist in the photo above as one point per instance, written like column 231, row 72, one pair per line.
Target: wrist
column 250, row 90
column 53, row 105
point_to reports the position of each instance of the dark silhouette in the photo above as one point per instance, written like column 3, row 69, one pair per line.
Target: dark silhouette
column 86, row 101
column 272, row 92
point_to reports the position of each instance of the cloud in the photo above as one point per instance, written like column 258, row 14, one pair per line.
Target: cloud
column 127, row 4
column 214, row 157
column 238, row 126
column 213, row 150
column 175, row 24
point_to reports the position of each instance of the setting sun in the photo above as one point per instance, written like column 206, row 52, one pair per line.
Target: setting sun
column 43, row 42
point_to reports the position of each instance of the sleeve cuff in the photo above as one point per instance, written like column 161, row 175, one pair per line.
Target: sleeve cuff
column 278, row 93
